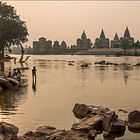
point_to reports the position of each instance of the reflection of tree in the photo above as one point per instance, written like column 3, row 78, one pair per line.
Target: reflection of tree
column 9, row 100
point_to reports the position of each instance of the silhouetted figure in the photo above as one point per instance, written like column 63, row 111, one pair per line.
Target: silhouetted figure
column 9, row 75
column 34, row 74
column 14, row 73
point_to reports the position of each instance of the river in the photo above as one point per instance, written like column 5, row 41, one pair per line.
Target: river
column 59, row 86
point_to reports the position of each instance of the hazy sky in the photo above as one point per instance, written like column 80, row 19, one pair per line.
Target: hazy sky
column 65, row 20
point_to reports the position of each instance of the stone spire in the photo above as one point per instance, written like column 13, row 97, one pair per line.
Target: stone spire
column 116, row 37
column 127, row 33
column 102, row 35
column 83, row 36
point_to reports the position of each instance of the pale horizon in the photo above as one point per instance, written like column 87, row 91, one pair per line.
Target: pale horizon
column 66, row 20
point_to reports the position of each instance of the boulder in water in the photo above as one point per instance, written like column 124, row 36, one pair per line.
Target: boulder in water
column 8, row 131
column 134, row 120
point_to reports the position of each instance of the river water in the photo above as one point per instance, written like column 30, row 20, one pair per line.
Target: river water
column 59, row 86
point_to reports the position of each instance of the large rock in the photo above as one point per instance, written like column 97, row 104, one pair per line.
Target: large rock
column 81, row 110
column 134, row 120
column 46, row 130
column 51, row 133
column 58, row 136
column 134, row 117
column 13, row 81
column 8, row 131
column 112, row 124
column 108, row 118
column 89, row 123
column 98, row 110
column 42, row 132
column 5, row 83
column 117, row 126
column 76, row 135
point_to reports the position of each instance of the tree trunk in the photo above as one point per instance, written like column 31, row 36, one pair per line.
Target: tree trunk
column 22, row 53
column 2, row 59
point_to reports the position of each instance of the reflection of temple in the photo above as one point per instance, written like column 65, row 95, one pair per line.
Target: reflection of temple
column 127, row 39
column 102, row 42
column 84, row 42
column 116, row 42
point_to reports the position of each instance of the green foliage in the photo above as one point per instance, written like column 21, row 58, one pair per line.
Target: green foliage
column 13, row 30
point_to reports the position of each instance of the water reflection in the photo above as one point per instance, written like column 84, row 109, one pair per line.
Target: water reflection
column 59, row 86
column 34, row 85
column 10, row 100
column 125, row 76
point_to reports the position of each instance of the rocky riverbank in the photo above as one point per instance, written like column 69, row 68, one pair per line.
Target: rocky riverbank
column 94, row 120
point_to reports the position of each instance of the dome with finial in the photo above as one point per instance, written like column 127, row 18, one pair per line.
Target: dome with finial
column 83, row 36
column 126, row 33
column 116, row 37
column 102, row 35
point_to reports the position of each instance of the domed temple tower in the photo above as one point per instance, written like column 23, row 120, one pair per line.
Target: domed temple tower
column 84, row 42
column 127, row 39
column 116, row 42
column 102, row 42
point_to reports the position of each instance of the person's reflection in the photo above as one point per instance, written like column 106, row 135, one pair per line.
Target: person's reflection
column 34, row 85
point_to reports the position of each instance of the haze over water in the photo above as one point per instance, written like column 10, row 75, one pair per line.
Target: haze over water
column 59, row 86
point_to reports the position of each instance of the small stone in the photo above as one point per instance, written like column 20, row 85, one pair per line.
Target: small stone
column 92, row 133
column 28, row 133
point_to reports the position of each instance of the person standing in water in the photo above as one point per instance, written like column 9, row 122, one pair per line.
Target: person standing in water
column 34, row 74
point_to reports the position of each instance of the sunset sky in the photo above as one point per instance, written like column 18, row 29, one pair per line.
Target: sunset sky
column 65, row 20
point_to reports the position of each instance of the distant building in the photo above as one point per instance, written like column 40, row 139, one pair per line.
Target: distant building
column 42, row 46
column 84, row 42
column 56, row 47
column 102, row 42
column 127, row 40
column 116, row 43
column 64, row 45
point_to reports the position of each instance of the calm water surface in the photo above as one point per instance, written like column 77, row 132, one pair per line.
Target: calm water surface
column 59, row 86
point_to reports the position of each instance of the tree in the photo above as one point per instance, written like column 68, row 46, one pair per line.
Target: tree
column 13, row 30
